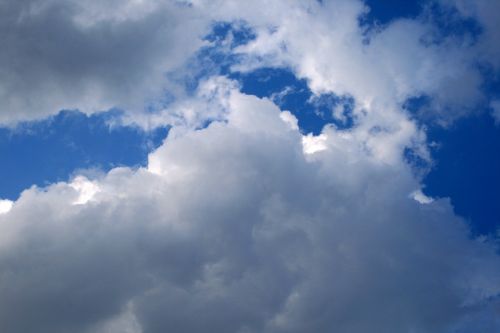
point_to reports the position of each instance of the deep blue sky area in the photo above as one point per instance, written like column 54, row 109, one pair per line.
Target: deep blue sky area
column 384, row 11
column 467, row 170
column 50, row 150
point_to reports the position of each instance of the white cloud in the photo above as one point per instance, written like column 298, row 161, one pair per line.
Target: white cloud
column 238, row 230
column 330, row 49
column 5, row 206
column 290, row 119
column 313, row 144
column 96, row 55
column 85, row 189
column 420, row 197
column 244, row 225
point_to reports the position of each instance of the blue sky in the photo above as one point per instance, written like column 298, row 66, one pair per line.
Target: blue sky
column 385, row 11
column 51, row 150
column 236, row 168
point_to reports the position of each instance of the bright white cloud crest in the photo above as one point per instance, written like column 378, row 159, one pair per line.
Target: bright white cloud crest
column 247, row 225
column 5, row 206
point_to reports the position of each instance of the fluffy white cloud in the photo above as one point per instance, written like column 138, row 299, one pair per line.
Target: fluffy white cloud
column 96, row 55
column 379, row 67
column 5, row 206
column 233, row 228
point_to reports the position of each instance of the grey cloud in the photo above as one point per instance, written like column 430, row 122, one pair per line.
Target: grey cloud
column 233, row 228
column 236, row 230
column 89, row 55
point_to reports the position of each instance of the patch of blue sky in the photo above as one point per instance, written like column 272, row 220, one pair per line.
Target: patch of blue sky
column 466, row 154
column 279, row 84
column 385, row 11
column 293, row 94
column 467, row 170
column 466, row 157
column 449, row 23
column 446, row 19
column 235, row 33
column 216, row 58
column 491, row 82
column 51, row 150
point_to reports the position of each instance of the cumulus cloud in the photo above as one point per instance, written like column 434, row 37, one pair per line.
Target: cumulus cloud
column 233, row 228
column 96, row 55
column 239, row 222
column 381, row 67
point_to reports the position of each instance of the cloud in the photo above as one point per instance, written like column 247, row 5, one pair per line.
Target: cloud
column 380, row 66
column 97, row 55
column 484, row 13
column 92, row 55
column 5, row 206
column 420, row 197
column 233, row 228
column 85, row 188
column 239, row 222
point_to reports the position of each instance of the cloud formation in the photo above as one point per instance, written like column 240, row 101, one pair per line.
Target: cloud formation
column 97, row 55
column 234, row 229
column 240, row 222
column 90, row 56
column 381, row 67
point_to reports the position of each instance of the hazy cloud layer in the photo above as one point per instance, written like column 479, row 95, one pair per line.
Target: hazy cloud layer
column 484, row 12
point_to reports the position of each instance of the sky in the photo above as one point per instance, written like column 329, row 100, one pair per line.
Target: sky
column 224, row 166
